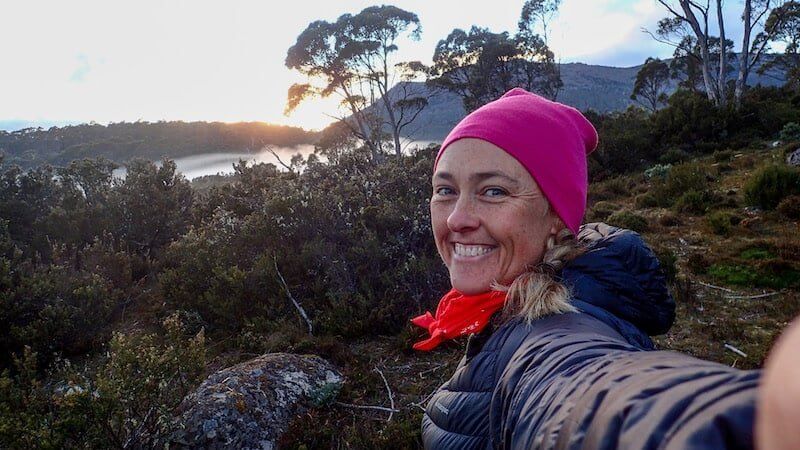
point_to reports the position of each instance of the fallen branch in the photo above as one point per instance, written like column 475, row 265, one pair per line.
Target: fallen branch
column 736, row 350
column 378, row 408
column 429, row 370
column 291, row 297
column 749, row 297
column 718, row 287
column 424, row 400
column 391, row 397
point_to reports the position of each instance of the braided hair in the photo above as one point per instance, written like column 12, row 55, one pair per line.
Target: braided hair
column 537, row 292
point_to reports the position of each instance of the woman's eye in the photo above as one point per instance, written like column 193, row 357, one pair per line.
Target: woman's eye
column 443, row 191
column 495, row 192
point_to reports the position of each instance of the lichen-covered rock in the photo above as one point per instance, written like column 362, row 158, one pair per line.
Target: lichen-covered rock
column 249, row 405
column 793, row 158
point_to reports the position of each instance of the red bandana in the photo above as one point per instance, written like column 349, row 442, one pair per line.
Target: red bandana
column 458, row 315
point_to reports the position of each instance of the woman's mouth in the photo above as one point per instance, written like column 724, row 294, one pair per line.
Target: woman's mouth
column 471, row 251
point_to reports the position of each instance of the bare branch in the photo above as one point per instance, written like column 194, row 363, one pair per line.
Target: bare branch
column 389, row 391
column 291, row 297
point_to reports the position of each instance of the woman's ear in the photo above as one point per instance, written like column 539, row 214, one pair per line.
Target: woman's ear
column 557, row 225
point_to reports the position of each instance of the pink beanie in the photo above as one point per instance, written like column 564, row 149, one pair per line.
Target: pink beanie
column 549, row 139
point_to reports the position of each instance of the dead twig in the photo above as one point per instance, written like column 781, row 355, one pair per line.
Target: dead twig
column 377, row 408
column 389, row 391
column 749, row 297
column 717, row 287
column 424, row 400
column 291, row 297
column 736, row 350
column 429, row 371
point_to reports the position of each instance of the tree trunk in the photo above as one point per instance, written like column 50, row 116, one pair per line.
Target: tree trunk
column 702, row 41
column 723, row 58
column 744, row 63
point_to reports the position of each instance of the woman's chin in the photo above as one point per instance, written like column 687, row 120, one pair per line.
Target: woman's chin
column 470, row 287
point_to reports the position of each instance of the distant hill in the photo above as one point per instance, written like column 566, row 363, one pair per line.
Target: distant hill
column 120, row 142
column 600, row 88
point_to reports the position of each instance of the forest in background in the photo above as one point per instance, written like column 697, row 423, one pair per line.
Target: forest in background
column 120, row 142
column 120, row 295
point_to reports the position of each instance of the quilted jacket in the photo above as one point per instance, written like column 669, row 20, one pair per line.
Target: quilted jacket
column 592, row 379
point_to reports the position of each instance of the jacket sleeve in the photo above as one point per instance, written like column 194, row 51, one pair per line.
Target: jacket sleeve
column 578, row 385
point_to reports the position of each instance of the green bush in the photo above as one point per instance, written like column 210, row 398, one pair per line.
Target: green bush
column 771, row 184
column 601, row 210
column 790, row 207
column 673, row 156
column 127, row 400
column 659, row 171
column 790, row 132
column 720, row 222
column 629, row 220
column 680, row 180
column 693, row 202
column 645, row 200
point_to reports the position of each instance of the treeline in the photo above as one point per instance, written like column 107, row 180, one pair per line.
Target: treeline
column 122, row 141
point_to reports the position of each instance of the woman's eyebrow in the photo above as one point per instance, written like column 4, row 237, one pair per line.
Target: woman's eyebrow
column 478, row 177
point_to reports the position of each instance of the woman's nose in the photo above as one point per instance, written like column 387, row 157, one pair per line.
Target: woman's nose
column 463, row 216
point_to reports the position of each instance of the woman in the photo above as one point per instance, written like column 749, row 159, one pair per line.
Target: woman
column 557, row 315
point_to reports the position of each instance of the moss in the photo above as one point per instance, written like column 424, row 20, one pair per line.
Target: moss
column 776, row 274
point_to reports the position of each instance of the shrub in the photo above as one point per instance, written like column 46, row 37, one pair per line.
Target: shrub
column 790, row 207
column 669, row 219
column 673, row 156
column 667, row 260
column 646, row 200
column 680, row 180
column 629, row 220
column 720, row 222
column 790, row 132
column 601, row 210
column 609, row 189
column 693, row 202
column 658, row 171
column 130, row 395
column 771, row 184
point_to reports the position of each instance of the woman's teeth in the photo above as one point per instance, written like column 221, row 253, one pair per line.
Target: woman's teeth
column 471, row 250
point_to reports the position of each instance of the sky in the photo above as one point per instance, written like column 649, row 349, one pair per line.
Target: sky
column 107, row 61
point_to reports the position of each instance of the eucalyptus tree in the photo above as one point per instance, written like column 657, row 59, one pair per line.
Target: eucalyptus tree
column 694, row 18
column 480, row 65
column 652, row 82
column 785, row 20
column 353, row 58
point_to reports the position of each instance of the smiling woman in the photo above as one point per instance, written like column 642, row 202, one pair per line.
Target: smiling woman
column 558, row 316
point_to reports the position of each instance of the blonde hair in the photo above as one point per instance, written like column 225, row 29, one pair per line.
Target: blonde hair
column 536, row 292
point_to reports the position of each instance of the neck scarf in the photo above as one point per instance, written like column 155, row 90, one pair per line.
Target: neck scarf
column 458, row 315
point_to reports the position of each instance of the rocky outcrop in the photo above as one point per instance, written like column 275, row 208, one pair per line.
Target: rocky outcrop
column 793, row 158
column 249, row 405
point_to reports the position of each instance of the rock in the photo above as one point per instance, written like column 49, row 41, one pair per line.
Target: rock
column 793, row 159
column 249, row 405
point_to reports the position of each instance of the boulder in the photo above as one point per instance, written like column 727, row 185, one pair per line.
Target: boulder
column 249, row 405
column 793, row 158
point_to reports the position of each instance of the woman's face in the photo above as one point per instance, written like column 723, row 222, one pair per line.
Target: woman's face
column 489, row 217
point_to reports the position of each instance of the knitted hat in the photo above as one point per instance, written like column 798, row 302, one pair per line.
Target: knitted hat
column 549, row 139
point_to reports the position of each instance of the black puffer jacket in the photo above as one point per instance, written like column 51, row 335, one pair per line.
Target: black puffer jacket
column 591, row 380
